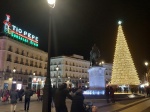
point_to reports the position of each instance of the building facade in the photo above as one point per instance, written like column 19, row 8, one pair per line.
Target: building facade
column 108, row 71
column 21, row 65
column 72, row 70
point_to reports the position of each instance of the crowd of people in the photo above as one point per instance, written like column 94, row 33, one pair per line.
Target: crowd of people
column 59, row 96
column 5, row 94
column 16, row 95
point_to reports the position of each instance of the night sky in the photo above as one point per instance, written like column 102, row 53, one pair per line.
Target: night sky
column 78, row 24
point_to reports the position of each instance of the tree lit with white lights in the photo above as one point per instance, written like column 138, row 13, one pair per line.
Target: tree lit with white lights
column 124, row 71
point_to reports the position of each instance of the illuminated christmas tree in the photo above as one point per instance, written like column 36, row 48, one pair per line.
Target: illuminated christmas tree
column 123, row 71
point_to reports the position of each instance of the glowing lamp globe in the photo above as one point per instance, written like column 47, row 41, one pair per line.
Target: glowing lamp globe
column 119, row 22
column 146, row 63
column 51, row 3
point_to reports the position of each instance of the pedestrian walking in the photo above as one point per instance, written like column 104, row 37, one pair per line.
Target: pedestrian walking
column 20, row 93
column 107, row 90
column 5, row 96
column 148, row 91
column 112, row 96
column 60, row 98
column 53, row 94
column 13, row 100
column 77, row 102
column 38, row 95
column 41, row 94
column 28, row 93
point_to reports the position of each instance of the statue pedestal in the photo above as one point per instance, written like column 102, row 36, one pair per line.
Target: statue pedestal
column 97, row 81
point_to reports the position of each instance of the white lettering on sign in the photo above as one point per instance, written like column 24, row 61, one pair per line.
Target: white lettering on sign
column 16, row 29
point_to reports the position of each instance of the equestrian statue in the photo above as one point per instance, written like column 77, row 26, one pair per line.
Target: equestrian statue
column 94, row 56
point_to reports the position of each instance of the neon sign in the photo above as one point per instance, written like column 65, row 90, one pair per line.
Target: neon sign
column 19, row 34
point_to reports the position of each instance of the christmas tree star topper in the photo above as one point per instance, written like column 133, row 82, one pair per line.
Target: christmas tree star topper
column 119, row 22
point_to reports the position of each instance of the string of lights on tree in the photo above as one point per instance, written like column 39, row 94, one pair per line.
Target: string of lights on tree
column 123, row 70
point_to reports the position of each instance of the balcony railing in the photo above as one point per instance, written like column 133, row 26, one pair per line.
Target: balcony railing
column 41, row 59
column 27, row 64
column 10, row 49
column 21, row 62
column 17, row 52
column 9, row 59
column 8, row 70
column 16, row 61
column 40, row 66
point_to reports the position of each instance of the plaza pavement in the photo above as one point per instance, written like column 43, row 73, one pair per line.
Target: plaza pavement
column 135, row 105
column 36, row 106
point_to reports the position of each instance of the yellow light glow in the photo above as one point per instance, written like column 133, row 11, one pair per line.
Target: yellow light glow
column 146, row 63
column 146, row 84
column 10, row 79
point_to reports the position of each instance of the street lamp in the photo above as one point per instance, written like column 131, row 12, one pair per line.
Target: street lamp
column 57, row 68
column 101, row 63
column 11, row 79
column 33, row 73
column 47, row 98
column 69, row 78
column 146, row 64
column 14, row 70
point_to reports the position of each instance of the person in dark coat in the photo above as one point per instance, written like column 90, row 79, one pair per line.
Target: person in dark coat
column 112, row 96
column 13, row 101
column 77, row 102
column 21, row 91
column 107, row 91
column 60, row 98
column 28, row 93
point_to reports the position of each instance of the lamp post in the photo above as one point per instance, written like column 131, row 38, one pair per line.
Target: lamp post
column 57, row 68
column 101, row 63
column 14, row 71
column 69, row 79
column 33, row 73
column 47, row 98
column 146, row 64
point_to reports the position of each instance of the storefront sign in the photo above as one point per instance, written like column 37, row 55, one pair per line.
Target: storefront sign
column 36, row 80
column 19, row 34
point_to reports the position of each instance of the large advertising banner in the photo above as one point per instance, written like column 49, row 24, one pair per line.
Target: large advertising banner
column 19, row 34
